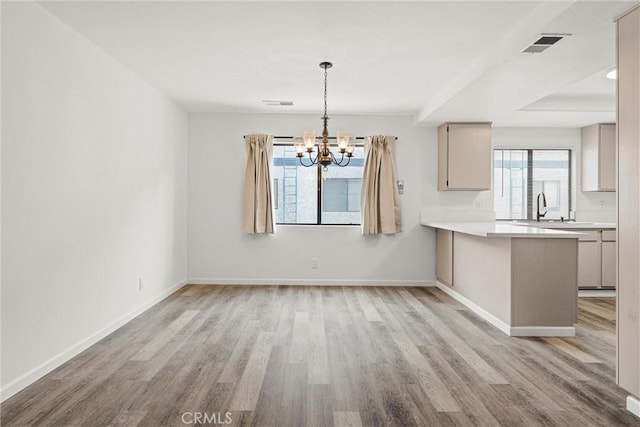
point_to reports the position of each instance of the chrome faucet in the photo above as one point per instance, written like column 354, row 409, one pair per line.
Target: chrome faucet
column 544, row 205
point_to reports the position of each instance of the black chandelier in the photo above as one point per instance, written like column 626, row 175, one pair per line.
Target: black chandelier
column 308, row 142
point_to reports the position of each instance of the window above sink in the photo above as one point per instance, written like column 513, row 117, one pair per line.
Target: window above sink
column 521, row 174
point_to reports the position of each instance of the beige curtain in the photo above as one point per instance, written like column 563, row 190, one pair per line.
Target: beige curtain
column 380, row 204
column 257, row 201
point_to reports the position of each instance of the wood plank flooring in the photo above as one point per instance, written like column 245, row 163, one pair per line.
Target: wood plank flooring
column 330, row 356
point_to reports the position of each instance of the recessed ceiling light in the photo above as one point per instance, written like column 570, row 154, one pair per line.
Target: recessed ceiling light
column 612, row 75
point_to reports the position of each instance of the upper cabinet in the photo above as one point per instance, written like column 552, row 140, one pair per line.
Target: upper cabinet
column 464, row 156
column 599, row 157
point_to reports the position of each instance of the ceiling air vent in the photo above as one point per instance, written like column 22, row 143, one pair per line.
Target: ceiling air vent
column 544, row 43
column 277, row 103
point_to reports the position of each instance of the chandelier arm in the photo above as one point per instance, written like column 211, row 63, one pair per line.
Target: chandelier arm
column 302, row 163
column 335, row 161
column 341, row 160
column 313, row 161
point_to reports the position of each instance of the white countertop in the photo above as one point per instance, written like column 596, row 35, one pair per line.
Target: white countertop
column 502, row 229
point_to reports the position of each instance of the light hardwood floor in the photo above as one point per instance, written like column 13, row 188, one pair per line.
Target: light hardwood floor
column 323, row 356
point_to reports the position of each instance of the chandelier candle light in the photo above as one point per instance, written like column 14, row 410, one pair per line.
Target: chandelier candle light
column 324, row 157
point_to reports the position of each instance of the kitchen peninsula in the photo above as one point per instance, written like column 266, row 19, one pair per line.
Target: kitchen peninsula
column 521, row 279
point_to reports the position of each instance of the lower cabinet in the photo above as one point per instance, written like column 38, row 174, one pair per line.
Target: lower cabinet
column 444, row 256
column 589, row 264
column 609, row 258
column 597, row 259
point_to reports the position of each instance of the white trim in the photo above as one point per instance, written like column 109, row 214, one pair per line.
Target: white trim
column 500, row 324
column 312, row 282
column 543, row 331
column 594, row 293
column 57, row 360
column 301, row 226
column 633, row 405
column 512, row 331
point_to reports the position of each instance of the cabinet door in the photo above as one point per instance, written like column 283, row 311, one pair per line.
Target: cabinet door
column 443, row 158
column 589, row 153
column 444, row 256
column 469, row 156
column 598, row 154
column 607, row 155
column 609, row 264
column 589, row 264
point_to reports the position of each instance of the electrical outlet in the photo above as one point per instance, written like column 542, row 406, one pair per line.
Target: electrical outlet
column 314, row 263
column 602, row 204
column 140, row 283
column 478, row 205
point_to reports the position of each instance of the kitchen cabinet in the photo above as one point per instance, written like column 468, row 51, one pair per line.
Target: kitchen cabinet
column 598, row 155
column 444, row 256
column 608, row 258
column 464, row 156
column 596, row 259
column 589, row 264
column 521, row 279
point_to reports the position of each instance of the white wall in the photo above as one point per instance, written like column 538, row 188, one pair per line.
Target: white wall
column 1, row 72
column 220, row 253
column 93, row 194
column 589, row 206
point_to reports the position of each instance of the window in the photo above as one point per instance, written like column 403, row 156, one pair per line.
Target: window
column 341, row 195
column 312, row 196
column 520, row 175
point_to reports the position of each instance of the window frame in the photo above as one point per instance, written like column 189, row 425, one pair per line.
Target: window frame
column 282, row 142
column 530, row 200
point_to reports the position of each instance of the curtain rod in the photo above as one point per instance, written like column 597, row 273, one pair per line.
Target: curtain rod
column 317, row 137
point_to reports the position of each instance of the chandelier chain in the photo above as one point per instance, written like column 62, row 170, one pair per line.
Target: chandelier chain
column 325, row 91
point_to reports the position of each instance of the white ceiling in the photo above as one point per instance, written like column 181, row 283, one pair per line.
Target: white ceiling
column 441, row 61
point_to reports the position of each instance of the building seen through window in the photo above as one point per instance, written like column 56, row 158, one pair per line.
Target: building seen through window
column 299, row 190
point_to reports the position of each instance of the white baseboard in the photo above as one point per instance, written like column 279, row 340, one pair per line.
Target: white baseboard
column 542, row 331
column 596, row 293
column 51, row 364
column 633, row 405
column 500, row 324
column 312, row 282
column 512, row 331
